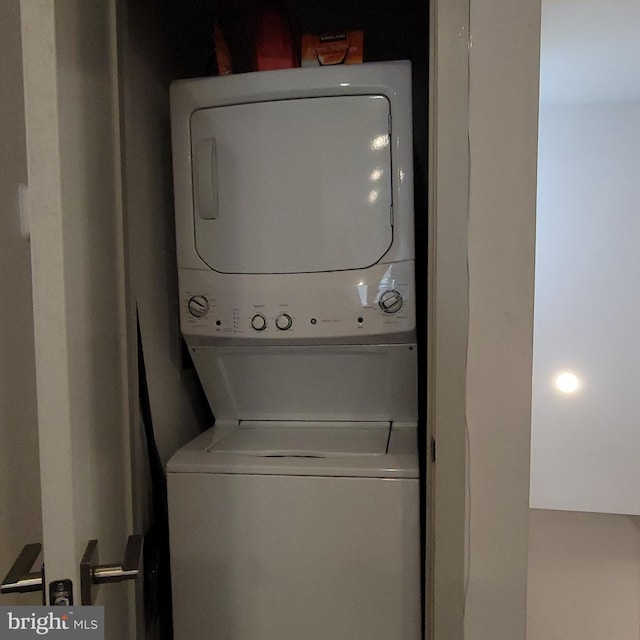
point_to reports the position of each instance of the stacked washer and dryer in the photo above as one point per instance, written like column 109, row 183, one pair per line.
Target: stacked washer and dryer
column 296, row 517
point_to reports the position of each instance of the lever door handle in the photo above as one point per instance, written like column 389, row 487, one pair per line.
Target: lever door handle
column 93, row 574
column 21, row 578
column 129, row 568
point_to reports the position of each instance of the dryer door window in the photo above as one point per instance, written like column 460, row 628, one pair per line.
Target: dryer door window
column 293, row 186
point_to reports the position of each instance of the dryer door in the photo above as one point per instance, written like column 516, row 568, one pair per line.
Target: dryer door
column 293, row 186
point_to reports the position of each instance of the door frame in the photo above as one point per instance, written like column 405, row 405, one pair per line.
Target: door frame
column 482, row 233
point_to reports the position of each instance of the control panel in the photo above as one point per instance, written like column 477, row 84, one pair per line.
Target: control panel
column 374, row 301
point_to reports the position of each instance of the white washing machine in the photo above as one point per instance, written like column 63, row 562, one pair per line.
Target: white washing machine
column 297, row 514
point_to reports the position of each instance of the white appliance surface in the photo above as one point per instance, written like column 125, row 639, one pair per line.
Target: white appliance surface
column 329, row 449
column 293, row 186
column 296, row 517
column 289, row 547
column 306, row 439
column 323, row 383
column 294, row 204
column 295, row 170
column 277, row 557
column 363, row 305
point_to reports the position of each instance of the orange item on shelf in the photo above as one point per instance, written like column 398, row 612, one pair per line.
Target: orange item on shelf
column 345, row 47
column 223, row 57
column 274, row 44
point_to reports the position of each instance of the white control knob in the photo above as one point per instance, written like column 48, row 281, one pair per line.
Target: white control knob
column 198, row 306
column 284, row 322
column 391, row 301
column 259, row 322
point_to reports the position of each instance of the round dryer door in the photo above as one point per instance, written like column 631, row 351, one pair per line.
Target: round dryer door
column 293, row 186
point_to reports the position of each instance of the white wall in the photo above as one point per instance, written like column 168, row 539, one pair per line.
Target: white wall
column 586, row 445
column 19, row 467
column 584, row 568
column 589, row 51
column 584, row 576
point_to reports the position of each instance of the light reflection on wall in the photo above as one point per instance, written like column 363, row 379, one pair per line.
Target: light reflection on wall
column 380, row 142
column 567, row 382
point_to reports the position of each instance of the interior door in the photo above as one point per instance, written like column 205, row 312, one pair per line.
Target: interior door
column 19, row 467
column 83, row 400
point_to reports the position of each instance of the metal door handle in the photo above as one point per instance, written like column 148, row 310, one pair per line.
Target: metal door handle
column 20, row 578
column 93, row 574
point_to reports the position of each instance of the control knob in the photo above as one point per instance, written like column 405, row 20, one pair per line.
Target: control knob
column 284, row 322
column 391, row 301
column 259, row 322
column 198, row 306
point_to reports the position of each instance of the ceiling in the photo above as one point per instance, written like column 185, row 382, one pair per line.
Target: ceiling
column 590, row 51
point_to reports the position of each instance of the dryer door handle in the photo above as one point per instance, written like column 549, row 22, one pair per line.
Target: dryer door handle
column 205, row 179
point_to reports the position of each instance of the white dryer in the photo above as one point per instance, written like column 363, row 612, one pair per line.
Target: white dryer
column 297, row 514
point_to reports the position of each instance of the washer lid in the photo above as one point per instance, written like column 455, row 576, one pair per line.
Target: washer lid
column 270, row 439
column 321, row 451
column 293, row 186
